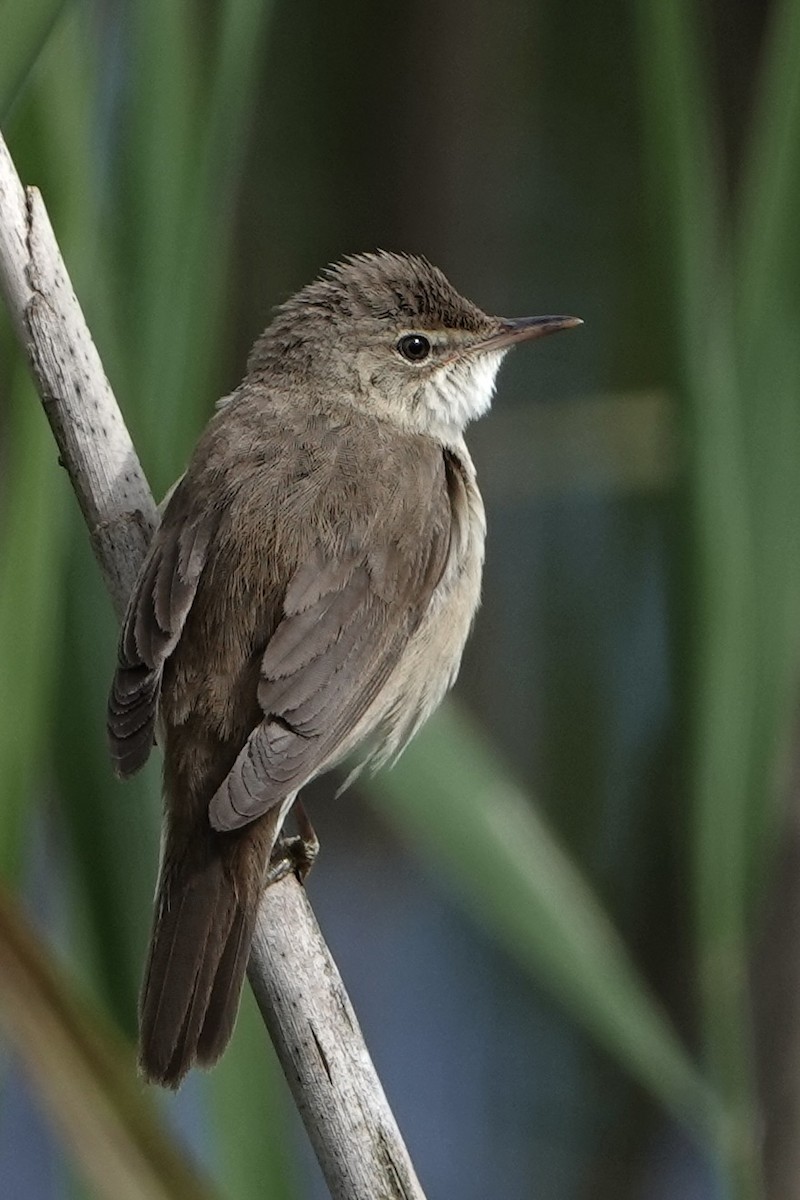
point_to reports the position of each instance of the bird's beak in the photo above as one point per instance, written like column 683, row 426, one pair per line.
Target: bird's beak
column 524, row 329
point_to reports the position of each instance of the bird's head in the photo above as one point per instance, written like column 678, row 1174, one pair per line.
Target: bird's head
column 391, row 334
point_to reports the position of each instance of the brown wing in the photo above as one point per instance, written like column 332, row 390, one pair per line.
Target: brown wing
column 358, row 580
column 345, row 623
column 156, row 615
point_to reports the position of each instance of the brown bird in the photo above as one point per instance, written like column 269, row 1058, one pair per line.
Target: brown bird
column 309, row 591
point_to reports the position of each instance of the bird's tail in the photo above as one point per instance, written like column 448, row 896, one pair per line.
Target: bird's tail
column 206, row 905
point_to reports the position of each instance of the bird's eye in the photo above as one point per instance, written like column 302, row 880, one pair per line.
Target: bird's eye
column 414, row 347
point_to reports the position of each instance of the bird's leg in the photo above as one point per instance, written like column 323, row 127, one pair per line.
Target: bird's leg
column 294, row 855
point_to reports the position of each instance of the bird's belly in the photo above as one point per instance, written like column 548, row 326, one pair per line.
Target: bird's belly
column 430, row 663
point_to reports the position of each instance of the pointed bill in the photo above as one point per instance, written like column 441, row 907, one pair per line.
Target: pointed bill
column 512, row 330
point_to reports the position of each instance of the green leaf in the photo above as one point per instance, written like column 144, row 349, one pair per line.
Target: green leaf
column 25, row 35
column 31, row 551
column 737, row 379
column 767, row 261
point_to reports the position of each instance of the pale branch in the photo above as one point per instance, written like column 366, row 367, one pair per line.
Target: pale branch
column 295, row 981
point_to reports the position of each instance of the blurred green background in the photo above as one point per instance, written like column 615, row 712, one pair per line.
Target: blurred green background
column 570, row 917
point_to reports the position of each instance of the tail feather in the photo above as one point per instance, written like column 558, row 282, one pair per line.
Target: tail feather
column 222, row 1007
column 206, row 907
column 188, row 938
column 198, row 956
column 185, row 1050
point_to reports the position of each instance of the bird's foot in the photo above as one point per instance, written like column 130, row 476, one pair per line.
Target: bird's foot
column 294, row 855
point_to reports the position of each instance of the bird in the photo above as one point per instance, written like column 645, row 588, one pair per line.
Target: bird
column 305, row 600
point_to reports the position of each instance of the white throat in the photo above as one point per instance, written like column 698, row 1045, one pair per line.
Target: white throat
column 461, row 392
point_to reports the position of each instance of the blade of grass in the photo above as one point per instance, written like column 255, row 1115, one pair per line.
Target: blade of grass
column 159, row 115
column 720, row 603
column 25, row 34
column 767, row 233
column 30, row 552
column 207, row 236
column 189, row 153
column 767, row 258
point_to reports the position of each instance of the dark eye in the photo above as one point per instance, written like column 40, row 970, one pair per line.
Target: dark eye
column 414, row 347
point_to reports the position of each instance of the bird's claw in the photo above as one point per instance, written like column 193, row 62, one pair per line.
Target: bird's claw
column 293, row 855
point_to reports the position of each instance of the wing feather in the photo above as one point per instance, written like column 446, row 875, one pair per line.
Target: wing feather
column 327, row 635
column 153, row 624
column 345, row 623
